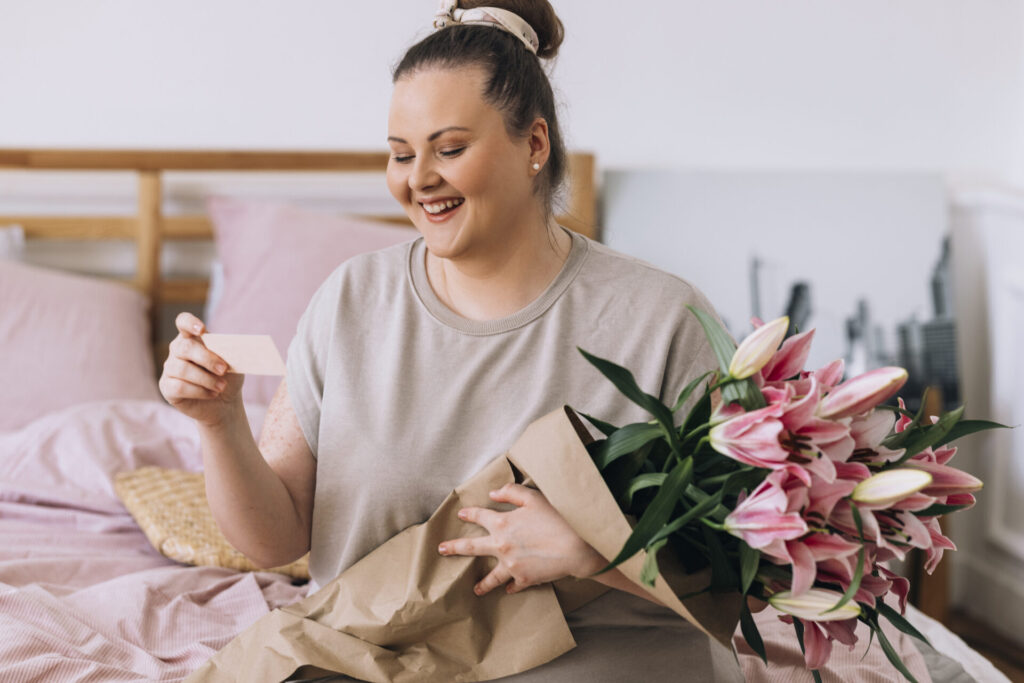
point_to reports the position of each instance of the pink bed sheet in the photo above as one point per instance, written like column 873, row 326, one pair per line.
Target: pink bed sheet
column 83, row 595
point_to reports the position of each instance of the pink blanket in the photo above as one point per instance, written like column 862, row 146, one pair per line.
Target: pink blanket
column 83, row 595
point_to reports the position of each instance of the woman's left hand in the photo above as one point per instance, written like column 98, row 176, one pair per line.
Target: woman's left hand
column 533, row 543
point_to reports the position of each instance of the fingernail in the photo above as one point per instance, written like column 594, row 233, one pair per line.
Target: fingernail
column 442, row 549
column 463, row 514
column 221, row 384
column 198, row 328
column 478, row 590
column 221, row 368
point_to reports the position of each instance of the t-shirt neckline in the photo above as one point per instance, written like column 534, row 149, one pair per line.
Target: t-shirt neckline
column 417, row 272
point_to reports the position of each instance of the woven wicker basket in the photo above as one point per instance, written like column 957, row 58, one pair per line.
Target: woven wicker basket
column 170, row 506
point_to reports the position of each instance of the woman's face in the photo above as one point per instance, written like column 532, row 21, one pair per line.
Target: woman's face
column 465, row 183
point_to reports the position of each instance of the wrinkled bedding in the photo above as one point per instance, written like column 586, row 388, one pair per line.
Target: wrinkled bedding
column 83, row 595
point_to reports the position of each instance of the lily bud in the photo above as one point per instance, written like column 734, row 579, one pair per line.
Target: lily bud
column 862, row 393
column 758, row 348
column 890, row 486
column 946, row 480
column 814, row 605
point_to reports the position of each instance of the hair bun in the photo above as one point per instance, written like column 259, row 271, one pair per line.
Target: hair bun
column 539, row 14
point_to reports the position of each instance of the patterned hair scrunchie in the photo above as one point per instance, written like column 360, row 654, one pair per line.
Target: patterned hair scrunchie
column 448, row 14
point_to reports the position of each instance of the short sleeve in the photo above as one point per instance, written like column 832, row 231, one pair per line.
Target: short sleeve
column 690, row 354
column 307, row 359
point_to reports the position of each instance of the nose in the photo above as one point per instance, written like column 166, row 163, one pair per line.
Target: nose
column 424, row 175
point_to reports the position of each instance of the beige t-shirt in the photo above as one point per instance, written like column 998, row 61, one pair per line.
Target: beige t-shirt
column 401, row 399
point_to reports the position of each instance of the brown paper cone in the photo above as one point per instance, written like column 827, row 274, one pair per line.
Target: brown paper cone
column 404, row 613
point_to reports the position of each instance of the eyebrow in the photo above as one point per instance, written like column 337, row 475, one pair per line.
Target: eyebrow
column 433, row 136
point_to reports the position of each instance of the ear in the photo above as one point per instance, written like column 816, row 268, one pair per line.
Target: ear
column 540, row 146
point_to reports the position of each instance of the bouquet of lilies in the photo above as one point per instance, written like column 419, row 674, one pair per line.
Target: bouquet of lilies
column 794, row 487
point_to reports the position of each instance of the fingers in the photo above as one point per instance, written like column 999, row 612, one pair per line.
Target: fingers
column 194, row 351
column 488, row 519
column 517, row 494
column 177, row 368
column 189, row 325
column 498, row 576
column 481, row 545
column 178, row 390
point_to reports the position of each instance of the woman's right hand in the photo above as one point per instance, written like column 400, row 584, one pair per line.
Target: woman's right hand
column 195, row 379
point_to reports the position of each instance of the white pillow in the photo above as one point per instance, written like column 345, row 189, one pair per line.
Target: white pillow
column 12, row 243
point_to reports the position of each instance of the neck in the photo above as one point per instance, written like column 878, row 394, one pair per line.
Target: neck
column 503, row 281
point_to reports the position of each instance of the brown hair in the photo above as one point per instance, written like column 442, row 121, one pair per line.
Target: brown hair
column 515, row 81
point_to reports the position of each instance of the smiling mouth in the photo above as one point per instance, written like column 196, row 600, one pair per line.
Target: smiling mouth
column 442, row 207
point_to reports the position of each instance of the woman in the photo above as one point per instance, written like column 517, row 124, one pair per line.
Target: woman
column 416, row 365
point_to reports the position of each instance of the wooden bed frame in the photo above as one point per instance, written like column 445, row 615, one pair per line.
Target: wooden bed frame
column 149, row 227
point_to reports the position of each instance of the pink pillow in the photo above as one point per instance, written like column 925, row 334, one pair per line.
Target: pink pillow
column 69, row 339
column 275, row 255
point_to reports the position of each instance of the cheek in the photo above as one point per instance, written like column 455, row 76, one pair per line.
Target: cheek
column 397, row 185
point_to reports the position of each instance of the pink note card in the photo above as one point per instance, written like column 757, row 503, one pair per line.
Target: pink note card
column 247, row 354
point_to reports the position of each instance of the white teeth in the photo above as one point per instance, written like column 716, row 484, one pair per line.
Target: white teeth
column 441, row 206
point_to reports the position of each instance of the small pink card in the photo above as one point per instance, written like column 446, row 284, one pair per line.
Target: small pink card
column 247, row 354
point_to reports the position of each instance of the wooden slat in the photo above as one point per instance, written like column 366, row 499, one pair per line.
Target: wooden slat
column 75, row 227
column 191, row 160
column 184, row 291
column 148, row 242
column 582, row 213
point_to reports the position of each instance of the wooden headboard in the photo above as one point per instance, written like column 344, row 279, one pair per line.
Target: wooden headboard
column 149, row 227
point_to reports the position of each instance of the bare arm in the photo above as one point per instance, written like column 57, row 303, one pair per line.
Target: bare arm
column 261, row 497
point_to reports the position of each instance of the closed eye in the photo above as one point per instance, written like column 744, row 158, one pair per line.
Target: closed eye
column 401, row 158
column 449, row 153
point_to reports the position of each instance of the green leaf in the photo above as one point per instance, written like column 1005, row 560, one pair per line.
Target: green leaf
column 698, row 510
column 930, row 436
column 747, row 478
column 750, row 559
column 966, row 427
column 685, row 394
column 750, row 632
column 858, row 574
column 723, row 576
column 899, row 440
column 624, row 441
column 721, row 343
column 643, row 481
column 649, row 572
column 899, row 621
column 625, row 382
column 602, row 426
column 657, row 513
column 891, row 653
column 938, row 510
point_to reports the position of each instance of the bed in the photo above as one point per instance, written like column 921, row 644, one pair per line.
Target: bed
column 83, row 593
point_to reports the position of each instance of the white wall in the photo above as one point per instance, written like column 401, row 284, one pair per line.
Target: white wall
column 912, row 84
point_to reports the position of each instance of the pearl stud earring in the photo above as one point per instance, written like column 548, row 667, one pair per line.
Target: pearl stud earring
column 536, row 166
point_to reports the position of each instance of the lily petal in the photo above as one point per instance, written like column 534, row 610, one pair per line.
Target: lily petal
column 862, row 393
column 758, row 348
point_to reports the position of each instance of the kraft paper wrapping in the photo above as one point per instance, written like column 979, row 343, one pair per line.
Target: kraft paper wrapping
column 405, row 613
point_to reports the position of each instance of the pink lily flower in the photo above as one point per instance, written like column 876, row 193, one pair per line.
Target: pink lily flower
column 830, row 375
column 758, row 348
column 939, row 544
column 816, row 443
column 868, row 431
column 818, row 637
column 789, row 360
column 770, row 514
column 807, row 552
column 752, row 438
column 862, row 393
